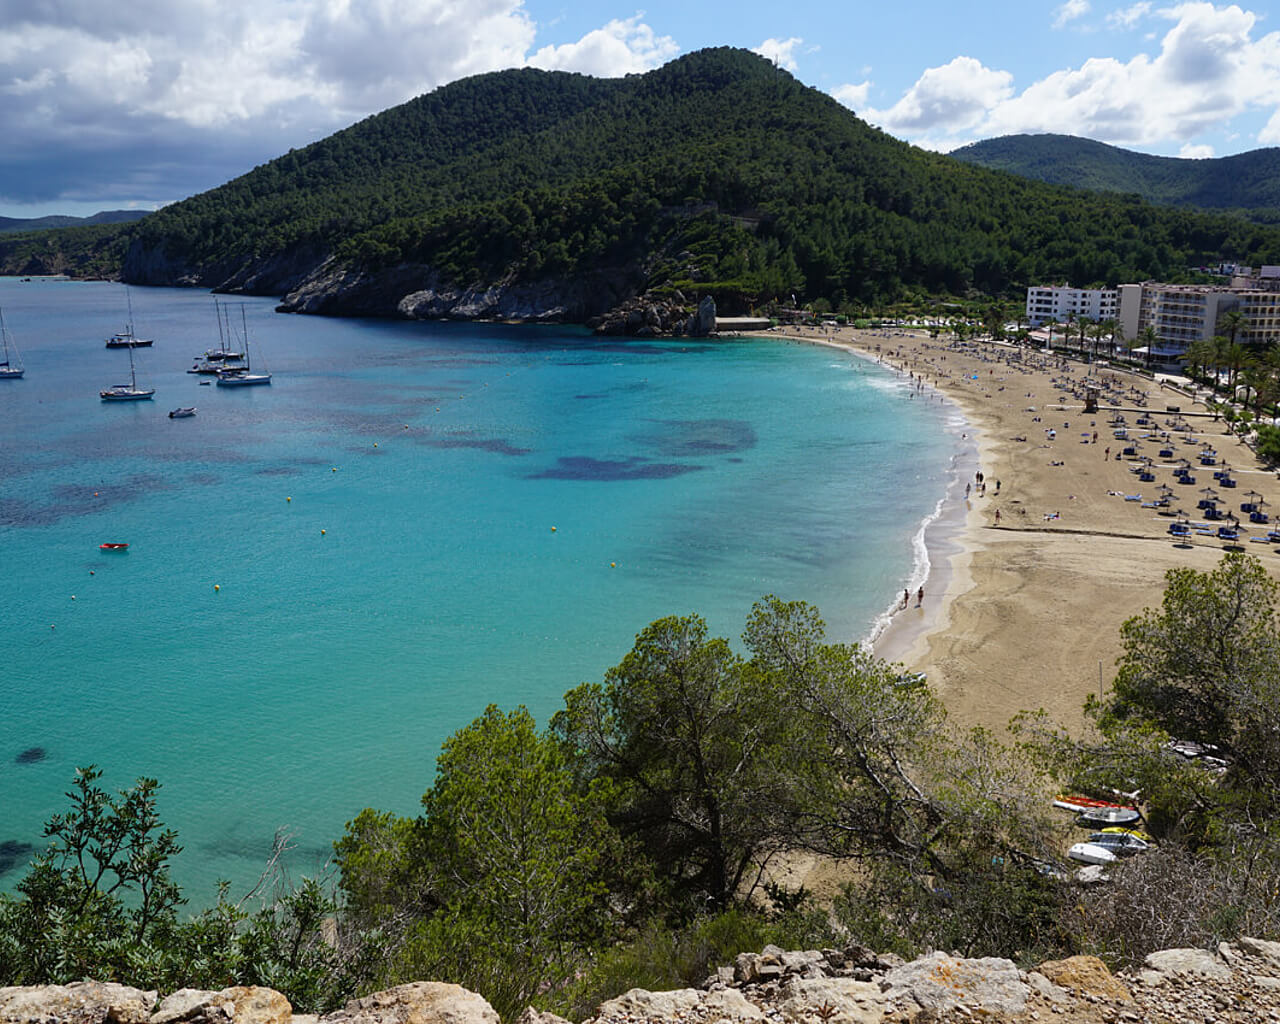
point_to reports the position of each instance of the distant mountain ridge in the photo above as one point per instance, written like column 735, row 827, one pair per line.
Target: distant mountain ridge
column 528, row 194
column 17, row 224
column 1247, row 181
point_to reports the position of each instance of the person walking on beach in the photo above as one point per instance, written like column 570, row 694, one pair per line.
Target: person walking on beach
column 920, row 596
column 906, row 598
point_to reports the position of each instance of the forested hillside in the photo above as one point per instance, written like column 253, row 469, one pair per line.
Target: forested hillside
column 716, row 174
column 1247, row 183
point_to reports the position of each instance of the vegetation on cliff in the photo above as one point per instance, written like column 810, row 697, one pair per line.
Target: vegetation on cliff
column 1247, row 183
column 631, row 842
column 718, row 174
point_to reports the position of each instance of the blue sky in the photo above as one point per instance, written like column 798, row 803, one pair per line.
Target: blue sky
column 106, row 106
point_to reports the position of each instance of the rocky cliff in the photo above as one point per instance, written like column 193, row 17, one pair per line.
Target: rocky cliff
column 418, row 292
column 1239, row 983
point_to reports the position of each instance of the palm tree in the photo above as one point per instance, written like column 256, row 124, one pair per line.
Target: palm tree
column 1146, row 337
column 1097, row 332
column 1199, row 357
column 1234, row 358
column 1233, row 322
column 1049, row 324
column 1110, row 327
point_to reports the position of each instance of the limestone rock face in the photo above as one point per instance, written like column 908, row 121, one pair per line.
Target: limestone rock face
column 532, row 1016
column 84, row 1002
column 943, row 983
column 243, row 1004
column 416, row 292
column 639, row 1002
column 705, row 319
column 420, row 1002
column 1086, row 975
column 1261, row 947
column 1195, row 962
column 843, row 1000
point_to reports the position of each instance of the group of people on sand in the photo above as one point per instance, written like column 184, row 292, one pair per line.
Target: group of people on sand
column 906, row 598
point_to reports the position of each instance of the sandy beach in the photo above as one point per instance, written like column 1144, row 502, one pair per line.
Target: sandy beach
column 1028, row 589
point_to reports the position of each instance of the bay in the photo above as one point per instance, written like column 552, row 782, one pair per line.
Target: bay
column 329, row 575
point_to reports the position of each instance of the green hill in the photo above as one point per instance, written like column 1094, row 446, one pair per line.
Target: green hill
column 1247, row 182
column 9, row 225
column 543, row 194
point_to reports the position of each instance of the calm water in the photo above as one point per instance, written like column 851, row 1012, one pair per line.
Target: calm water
column 379, row 525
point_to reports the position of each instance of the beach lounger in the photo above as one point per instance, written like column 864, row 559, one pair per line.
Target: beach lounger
column 1133, row 497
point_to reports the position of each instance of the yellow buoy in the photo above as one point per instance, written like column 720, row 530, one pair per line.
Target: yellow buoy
column 613, row 565
column 553, row 529
column 375, row 444
column 217, row 587
column 322, row 533
column 289, row 498
column 335, row 469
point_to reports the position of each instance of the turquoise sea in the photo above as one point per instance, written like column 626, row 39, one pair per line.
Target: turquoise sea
column 328, row 576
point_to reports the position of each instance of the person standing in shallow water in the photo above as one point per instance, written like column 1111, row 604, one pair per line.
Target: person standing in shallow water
column 920, row 596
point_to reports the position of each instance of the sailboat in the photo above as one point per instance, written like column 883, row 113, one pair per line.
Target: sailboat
column 242, row 376
column 11, row 365
column 127, row 392
column 126, row 338
column 224, row 352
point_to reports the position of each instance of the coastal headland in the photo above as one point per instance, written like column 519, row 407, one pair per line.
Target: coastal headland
column 1024, row 602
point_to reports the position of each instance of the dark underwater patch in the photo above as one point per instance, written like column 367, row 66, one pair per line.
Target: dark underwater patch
column 488, row 444
column 582, row 467
column 12, row 853
column 31, row 755
column 685, row 438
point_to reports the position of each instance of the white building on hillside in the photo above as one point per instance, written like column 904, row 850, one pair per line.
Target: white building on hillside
column 1061, row 304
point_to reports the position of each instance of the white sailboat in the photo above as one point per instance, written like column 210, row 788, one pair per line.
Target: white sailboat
column 127, row 392
column 243, row 376
column 11, row 367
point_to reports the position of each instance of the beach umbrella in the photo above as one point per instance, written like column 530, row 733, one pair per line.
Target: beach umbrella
column 1252, row 496
column 1209, row 492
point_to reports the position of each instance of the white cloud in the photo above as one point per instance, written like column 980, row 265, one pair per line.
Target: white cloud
column 853, row 96
column 218, row 84
column 780, row 51
column 1191, row 151
column 946, row 99
column 1127, row 17
column 619, row 48
column 1209, row 68
column 1070, row 11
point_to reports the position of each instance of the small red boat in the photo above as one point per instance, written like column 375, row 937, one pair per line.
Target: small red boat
column 113, row 546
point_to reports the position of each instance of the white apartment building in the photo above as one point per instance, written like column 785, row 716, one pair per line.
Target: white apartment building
column 1183, row 314
column 1062, row 303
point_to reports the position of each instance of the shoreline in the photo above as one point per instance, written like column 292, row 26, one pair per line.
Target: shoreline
column 1028, row 585
column 946, row 537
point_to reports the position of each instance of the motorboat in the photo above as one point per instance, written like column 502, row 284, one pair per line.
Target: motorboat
column 113, row 546
column 182, row 413
column 1107, row 847
column 1100, row 817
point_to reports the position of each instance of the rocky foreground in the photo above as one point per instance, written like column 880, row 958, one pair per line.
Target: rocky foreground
column 1238, row 983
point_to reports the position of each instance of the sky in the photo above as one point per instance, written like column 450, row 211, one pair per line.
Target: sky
column 144, row 102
